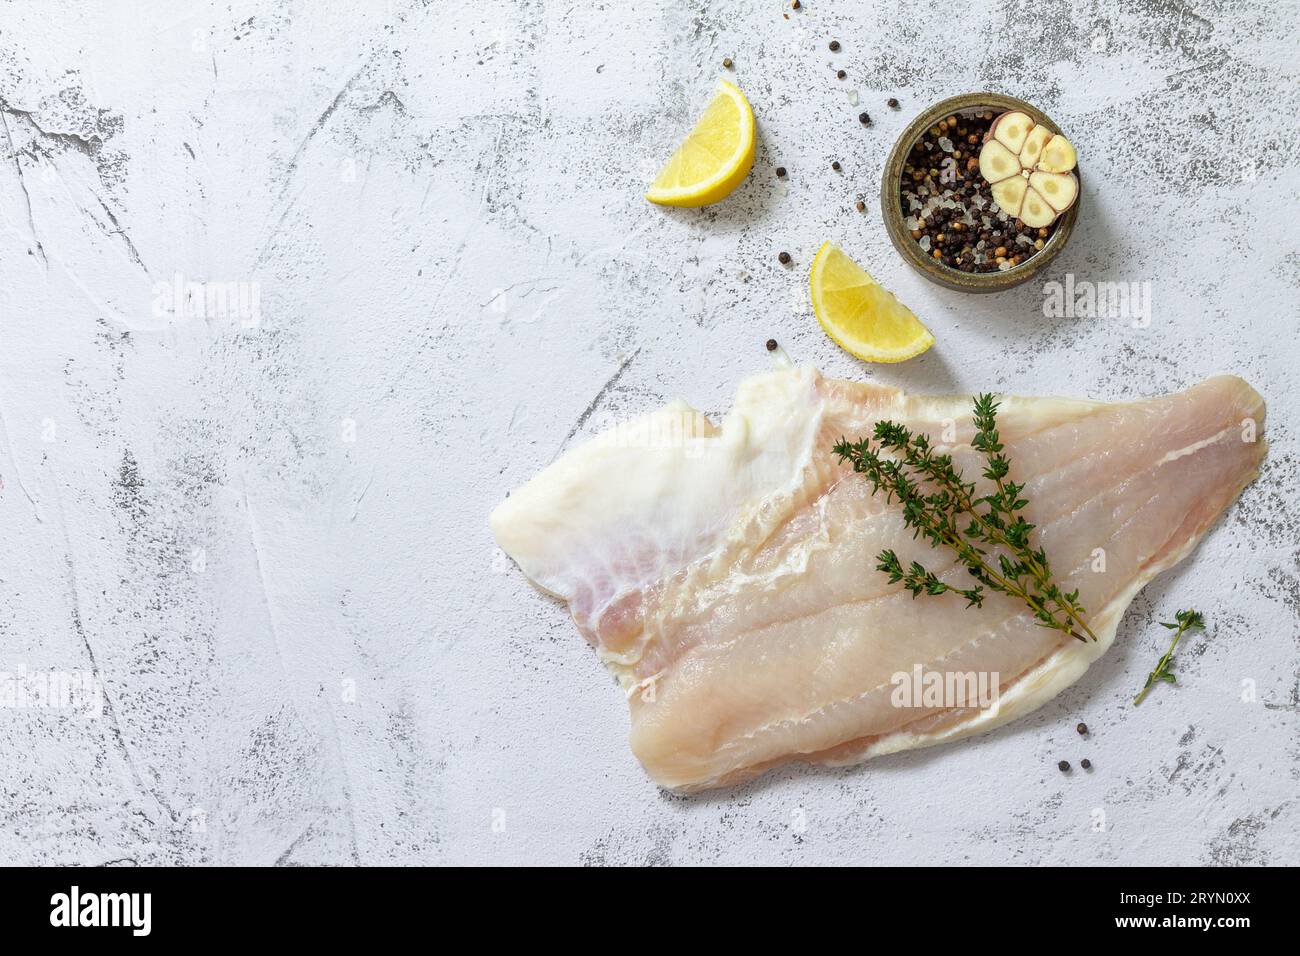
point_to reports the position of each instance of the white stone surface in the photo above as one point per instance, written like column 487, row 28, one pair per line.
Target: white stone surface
column 271, row 542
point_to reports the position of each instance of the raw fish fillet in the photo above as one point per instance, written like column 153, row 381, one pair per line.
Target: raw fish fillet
column 727, row 574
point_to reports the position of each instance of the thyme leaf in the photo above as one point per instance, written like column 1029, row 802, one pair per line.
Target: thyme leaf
column 1183, row 622
column 988, row 533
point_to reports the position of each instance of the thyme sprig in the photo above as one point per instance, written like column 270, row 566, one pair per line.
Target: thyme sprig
column 988, row 533
column 1183, row 622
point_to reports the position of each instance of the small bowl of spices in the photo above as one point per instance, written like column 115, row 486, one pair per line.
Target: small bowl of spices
column 948, row 220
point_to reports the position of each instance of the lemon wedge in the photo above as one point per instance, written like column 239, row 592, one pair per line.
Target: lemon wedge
column 861, row 316
column 714, row 158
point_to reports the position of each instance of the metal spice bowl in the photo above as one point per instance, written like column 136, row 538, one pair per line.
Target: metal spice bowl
column 894, row 215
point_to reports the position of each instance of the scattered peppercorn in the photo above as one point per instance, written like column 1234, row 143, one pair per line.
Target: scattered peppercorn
column 771, row 343
column 1082, row 728
column 1063, row 766
column 864, row 119
column 893, row 103
column 780, row 171
column 784, row 258
column 835, row 46
column 1085, row 763
column 795, row 4
column 860, row 206
column 835, row 165
column 840, row 74
column 726, row 62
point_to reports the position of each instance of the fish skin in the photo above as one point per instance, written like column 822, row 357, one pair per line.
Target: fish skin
column 726, row 574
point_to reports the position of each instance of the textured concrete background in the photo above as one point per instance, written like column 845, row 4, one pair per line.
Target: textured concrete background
column 271, row 541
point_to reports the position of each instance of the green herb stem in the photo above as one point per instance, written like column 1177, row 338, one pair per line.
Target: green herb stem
column 1183, row 622
column 933, row 495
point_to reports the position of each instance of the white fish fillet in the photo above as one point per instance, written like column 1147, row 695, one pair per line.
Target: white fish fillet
column 727, row 574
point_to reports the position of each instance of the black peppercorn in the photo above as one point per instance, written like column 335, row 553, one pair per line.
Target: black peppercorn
column 835, row 46
column 1064, row 765
column 835, row 165
column 784, row 258
column 864, row 119
column 780, row 171
column 840, row 74
column 771, row 343
column 726, row 62
column 1082, row 728
column 861, row 206
column 893, row 103
column 1085, row 763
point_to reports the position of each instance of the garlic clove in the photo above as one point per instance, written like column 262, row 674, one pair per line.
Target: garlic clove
column 1058, row 156
column 997, row 162
column 1011, row 130
column 1035, row 212
column 1034, row 143
column 1059, row 190
column 1009, row 194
